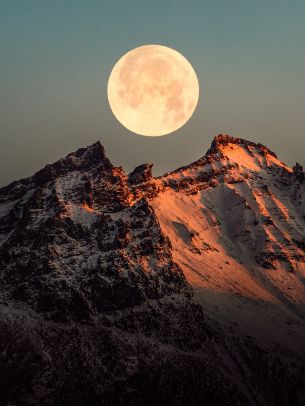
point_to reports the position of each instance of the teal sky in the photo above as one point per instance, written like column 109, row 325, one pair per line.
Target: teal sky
column 56, row 57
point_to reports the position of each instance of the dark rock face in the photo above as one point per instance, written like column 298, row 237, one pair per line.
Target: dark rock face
column 94, row 309
column 73, row 245
column 142, row 182
column 140, row 174
column 81, row 160
column 298, row 172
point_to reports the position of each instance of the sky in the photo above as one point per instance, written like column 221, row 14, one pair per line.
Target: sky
column 56, row 57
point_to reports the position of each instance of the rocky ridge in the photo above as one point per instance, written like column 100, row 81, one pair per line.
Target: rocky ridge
column 72, row 243
column 134, row 285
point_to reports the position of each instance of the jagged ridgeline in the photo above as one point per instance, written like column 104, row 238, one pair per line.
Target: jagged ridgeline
column 185, row 289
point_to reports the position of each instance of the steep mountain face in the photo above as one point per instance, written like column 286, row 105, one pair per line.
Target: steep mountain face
column 119, row 289
column 236, row 221
column 72, row 243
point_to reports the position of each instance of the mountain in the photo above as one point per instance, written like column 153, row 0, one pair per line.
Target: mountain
column 73, row 243
column 130, row 289
column 236, row 221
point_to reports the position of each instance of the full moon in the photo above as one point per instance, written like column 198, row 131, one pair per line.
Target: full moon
column 153, row 90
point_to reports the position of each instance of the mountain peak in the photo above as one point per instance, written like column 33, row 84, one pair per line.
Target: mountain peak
column 223, row 140
column 140, row 174
column 82, row 159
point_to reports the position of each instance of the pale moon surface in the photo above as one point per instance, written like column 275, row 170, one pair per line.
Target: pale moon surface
column 153, row 90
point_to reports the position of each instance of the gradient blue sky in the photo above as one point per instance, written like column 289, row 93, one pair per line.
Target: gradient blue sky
column 56, row 57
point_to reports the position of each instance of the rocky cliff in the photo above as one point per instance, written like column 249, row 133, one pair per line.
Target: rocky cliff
column 184, row 289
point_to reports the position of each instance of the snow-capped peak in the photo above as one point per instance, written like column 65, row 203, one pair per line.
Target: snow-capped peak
column 226, row 220
column 82, row 159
